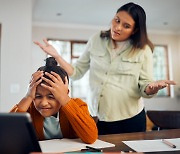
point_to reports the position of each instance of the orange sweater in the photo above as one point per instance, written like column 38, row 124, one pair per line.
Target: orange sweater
column 74, row 118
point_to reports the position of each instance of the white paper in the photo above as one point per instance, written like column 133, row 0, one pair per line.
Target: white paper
column 68, row 145
column 153, row 145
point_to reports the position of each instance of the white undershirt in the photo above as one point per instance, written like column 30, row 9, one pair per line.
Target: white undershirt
column 120, row 46
column 52, row 128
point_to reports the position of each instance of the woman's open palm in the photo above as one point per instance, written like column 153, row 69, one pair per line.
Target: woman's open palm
column 47, row 48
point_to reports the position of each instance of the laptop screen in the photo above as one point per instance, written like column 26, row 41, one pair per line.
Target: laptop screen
column 17, row 134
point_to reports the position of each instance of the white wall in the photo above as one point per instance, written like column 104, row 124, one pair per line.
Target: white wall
column 16, row 57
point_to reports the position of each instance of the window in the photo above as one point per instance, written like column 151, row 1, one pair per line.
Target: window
column 160, row 65
column 71, row 50
column 79, row 88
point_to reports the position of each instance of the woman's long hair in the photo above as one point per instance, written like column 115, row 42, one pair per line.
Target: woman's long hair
column 140, row 38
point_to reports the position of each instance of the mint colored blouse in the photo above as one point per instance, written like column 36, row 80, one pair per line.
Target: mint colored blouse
column 117, row 84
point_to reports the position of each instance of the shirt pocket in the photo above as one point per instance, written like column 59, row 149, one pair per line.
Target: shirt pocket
column 99, row 61
column 130, row 65
column 97, row 53
column 98, row 56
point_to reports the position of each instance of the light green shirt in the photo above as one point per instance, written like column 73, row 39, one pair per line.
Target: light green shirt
column 116, row 84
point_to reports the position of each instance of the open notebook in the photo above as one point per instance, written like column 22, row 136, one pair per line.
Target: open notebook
column 17, row 135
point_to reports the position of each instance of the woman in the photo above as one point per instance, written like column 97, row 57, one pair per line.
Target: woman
column 54, row 113
column 121, row 67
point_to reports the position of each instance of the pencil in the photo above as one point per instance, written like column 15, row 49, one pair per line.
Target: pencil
column 92, row 148
column 168, row 143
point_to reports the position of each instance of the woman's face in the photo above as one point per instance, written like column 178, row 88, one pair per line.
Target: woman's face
column 45, row 102
column 122, row 26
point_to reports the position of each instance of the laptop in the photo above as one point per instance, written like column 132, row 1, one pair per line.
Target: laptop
column 17, row 134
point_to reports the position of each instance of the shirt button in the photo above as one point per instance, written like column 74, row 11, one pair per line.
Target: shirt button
column 106, row 73
column 101, row 95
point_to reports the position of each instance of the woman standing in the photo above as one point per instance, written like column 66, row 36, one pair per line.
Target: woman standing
column 120, row 61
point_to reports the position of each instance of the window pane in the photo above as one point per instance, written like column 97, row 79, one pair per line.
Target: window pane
column 77, row 49
column 80, row 87
column 161, row 67
column 63, row 48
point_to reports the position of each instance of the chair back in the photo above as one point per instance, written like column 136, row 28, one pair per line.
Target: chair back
column 165, row 119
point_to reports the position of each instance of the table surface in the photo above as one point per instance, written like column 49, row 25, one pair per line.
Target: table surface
column 152, row 135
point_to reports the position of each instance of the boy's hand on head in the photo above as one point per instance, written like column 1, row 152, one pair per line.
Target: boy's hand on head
column 35, row 80
column 47, row 48
column 57, row 87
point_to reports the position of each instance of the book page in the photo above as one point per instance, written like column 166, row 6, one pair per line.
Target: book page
column 153, row 145
column 69, row 145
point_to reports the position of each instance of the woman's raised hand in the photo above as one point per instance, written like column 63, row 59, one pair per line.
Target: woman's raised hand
column 47, row 48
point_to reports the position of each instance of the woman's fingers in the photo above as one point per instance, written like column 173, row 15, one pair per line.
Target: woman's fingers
column 46, row 42
column 39, row 44
column 43, row 47
column 36, row 42
column 161, row 84
column 169, row 82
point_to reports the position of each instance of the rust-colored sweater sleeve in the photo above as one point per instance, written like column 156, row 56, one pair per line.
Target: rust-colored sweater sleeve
column 82, row 123
column 15, row 109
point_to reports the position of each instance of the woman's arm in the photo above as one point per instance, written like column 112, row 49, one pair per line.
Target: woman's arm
column 49, row 49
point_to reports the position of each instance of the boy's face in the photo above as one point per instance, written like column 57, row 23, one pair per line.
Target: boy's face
column 45, row 103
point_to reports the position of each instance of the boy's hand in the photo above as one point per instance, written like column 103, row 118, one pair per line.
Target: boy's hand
column 57, row 87
column 35, row 80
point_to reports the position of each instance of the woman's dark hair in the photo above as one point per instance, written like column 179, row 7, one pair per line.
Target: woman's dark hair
column 51, row 65
column 139, row 38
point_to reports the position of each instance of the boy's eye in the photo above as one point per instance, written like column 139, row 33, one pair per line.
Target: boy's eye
column 117, row 20
column 37, row 96
column 51, row 97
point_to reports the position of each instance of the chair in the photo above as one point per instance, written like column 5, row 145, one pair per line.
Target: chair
column 165, row 119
